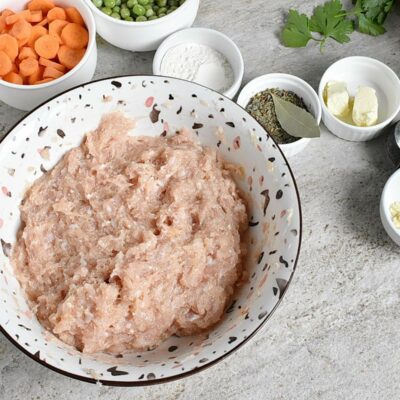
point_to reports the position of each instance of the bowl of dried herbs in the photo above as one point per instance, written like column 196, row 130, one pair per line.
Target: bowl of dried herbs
column 287, row 108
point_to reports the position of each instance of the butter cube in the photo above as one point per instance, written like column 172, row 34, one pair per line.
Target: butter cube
column 365, row 109
column 337, row 98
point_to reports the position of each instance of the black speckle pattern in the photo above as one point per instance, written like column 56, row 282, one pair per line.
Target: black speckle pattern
column 262, row 315
column 180, row 110
column 279, row 194
column 117, row 84
column 260, row 257
column 151, row 376
column 203, row 360
column 197, row 125
column 170, row 97
column 282, row 283
column 231, row 124
column 154, row 114
column 43, row 169
column 61, row 133
column 267, row 199
column 253, row 223
column 6, row 248
column 283, row 261
column 115, row 372
column 232, row 339
column 172, row 348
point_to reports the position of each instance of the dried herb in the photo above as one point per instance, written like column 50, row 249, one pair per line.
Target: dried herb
column 261, row 106
column 295, row 120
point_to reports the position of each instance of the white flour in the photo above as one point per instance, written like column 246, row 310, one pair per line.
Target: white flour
column 198, row 63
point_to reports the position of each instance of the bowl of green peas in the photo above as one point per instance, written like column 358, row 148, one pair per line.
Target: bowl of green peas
column 141, row 25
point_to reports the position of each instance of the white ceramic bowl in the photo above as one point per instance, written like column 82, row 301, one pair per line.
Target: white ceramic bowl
column 390, row 194
column 362, row 71
column 285, row 82
column 265, row 179
column 147, row 35
column 211, row 38
column 27, row 97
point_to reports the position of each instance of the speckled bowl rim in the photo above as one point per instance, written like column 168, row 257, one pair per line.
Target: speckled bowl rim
column 217, row 360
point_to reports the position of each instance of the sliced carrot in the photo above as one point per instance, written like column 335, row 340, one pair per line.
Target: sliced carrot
column 51, row 64
column 41, row 5
column 52, row 73
column 9, row 45
column 36, row 76
column 36, row 16
column 70, row 57
column 21, row 30
column 47, row 46
column 13, row 77
column 28, row 66
column 3, row 25
column 56, row 27
column 75, row 36
column 43, row 22
column 7, row 12
column 74, row 16
column 44, row 81
column 12, row 19
column 27, row 52
column 5, row 64
column 56, row 13
column 37, row 32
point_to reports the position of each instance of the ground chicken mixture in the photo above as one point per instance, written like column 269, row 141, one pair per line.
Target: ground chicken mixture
column 130, row 240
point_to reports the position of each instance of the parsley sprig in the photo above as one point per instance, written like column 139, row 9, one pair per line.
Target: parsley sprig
column 331, row 20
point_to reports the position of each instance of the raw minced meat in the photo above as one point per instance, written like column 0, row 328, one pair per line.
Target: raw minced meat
column 129, row 240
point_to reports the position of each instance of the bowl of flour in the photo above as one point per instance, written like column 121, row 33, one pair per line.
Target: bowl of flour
column 203, row 56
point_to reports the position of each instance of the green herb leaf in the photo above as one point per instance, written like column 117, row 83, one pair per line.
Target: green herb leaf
column 330, row 20
column 369, row 27
column 296, row 32
column 294, row 120
column 377, row 10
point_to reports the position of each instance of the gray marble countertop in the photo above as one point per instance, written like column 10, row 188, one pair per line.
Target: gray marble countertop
column 336, row 334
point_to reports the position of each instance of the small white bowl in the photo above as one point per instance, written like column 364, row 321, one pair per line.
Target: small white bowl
column 390, row 194
column 362, row 71
column 207, row 37
column 285, row 82
column 147, row 35
column 27, row 97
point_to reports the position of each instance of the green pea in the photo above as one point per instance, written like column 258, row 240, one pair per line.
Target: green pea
column 181, row 2
column 98, row 3
column 161, row 3
column 115, row 15
column 131, row 3
column 139, row 10
column 162, row 10
column 152, row 17
column 109, row 3
column 117, row 9
column 117, row 2
column 144, row 2
column 172, row 2
column 106, row 10
column 161, row 15
column 141, row 18
column 130, row 19
column 172, row 9
column 149, row 12
column 155, row 8
column 125, row 13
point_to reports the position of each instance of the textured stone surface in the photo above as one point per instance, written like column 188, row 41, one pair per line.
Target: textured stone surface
column 336, row 334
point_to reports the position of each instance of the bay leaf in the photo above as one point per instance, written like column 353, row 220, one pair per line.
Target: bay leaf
column 294, row 120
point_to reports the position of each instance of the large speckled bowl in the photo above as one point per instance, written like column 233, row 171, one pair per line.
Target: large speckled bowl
column 161, row 106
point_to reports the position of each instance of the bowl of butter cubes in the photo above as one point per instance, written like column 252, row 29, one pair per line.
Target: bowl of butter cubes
column 360, row 96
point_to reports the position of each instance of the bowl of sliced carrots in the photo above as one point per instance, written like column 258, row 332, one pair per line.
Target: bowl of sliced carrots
column 46, row 47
